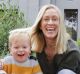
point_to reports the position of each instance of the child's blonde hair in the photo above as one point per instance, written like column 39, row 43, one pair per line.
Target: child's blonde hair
column 18, row 33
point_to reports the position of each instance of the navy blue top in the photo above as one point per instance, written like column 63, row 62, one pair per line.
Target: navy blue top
column 68, row 60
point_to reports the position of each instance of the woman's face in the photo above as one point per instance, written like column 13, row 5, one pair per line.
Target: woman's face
column 49, row 23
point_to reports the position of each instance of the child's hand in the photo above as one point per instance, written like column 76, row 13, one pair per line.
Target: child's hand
column 2, row 72
column 1, row 67
column 1, row 64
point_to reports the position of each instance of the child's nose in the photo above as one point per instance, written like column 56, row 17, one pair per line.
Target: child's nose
column 21, row 49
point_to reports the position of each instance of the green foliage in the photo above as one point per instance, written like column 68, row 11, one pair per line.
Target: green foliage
column 10, row 18
column 78, row 42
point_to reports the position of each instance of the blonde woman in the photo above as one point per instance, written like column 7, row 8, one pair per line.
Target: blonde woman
column 56, row 51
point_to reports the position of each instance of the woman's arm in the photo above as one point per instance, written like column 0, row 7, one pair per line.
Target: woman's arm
column 66, row 71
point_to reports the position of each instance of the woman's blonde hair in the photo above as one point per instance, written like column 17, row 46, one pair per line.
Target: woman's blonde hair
column 37, row 37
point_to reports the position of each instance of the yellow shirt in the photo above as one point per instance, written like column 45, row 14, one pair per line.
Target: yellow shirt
column 30, row 66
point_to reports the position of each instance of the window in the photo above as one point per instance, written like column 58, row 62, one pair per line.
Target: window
column 71, row 21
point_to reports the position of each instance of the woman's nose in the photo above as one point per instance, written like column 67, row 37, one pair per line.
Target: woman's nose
column 50, row 21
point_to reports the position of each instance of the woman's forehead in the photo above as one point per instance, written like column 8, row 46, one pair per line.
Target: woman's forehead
column 51, row 12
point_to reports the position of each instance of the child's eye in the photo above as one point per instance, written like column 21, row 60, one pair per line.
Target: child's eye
column 54, row 19
column 24, row 47
column 16, row 47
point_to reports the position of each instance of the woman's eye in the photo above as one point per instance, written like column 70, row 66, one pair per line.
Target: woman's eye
column 46, row 19
column 55, row 19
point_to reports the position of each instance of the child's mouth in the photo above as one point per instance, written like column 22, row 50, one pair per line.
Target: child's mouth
column 21, row 54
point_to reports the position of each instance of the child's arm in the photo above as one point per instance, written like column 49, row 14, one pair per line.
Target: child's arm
column 1, row 67
column 2, row 72
column 1, row 64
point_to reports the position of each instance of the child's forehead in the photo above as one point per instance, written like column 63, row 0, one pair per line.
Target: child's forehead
column 20, row 40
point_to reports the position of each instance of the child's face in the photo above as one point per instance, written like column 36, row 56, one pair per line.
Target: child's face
column 20, row 48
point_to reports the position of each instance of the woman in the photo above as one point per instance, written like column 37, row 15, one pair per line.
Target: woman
column 56, row 51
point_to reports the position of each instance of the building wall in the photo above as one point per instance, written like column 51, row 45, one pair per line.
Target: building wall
column 30, row 8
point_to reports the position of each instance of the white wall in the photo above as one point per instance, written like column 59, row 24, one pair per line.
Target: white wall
column 30, row 9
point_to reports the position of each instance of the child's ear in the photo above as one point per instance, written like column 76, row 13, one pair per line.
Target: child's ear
column 10, row 53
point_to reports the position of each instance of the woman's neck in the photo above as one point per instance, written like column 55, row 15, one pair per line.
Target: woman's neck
column 50, row 49
column 50, row 43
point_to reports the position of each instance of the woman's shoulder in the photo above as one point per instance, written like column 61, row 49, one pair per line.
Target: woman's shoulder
column 68, row 56
column 69, row 60
column 72, row 46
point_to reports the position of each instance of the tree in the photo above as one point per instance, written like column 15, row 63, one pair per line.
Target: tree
column 10, row 18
